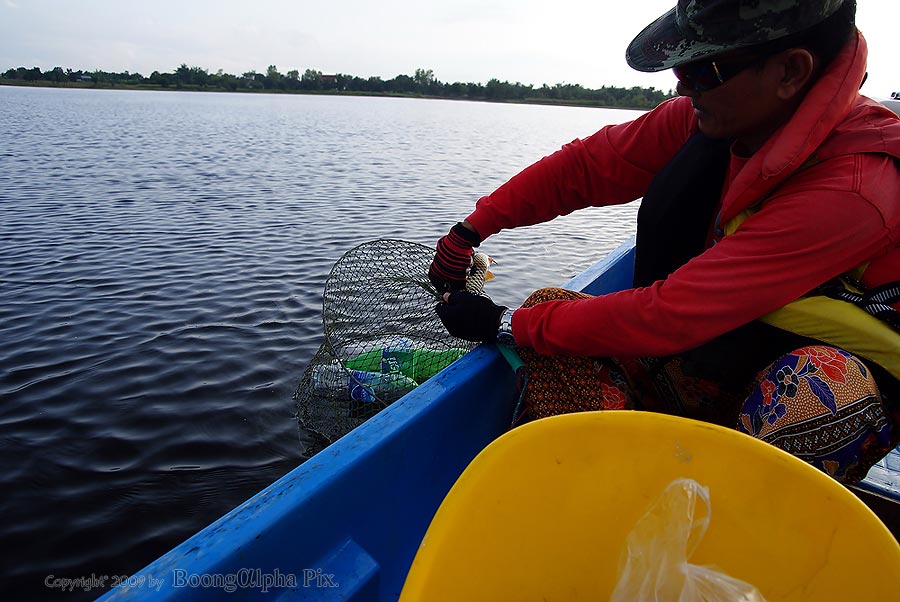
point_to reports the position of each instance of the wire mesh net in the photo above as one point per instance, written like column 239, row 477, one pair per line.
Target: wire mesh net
column 382, row 338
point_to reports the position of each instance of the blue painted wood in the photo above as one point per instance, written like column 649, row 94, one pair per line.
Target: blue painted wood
column 378, row 487
column 614, row 272
column 346, row 524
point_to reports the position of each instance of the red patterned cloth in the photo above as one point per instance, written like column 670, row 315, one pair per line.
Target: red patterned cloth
column 562, row 385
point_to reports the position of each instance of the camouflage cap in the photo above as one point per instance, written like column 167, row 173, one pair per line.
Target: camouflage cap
column 696, row 28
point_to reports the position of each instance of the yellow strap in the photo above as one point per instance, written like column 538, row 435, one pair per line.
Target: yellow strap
column 843, row 325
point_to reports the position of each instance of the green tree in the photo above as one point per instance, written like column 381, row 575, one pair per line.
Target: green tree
column 375, row 84
column 191, row 76
column 56, row 75
column 273, row 78
column 422, row 81
column 424, row 78
column 160, row 79
column 402, row 84
column 457, row 90
column 311, row 80
column 34, row 74
column 497, row 90
column 250, row 80
column 183, row 74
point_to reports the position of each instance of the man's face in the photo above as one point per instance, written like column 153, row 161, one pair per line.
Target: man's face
column 745, row 107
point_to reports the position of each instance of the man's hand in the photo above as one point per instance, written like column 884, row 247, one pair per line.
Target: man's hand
column 469, row 316
column 452, row 258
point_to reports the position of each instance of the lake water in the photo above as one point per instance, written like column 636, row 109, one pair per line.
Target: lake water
column 162, row 264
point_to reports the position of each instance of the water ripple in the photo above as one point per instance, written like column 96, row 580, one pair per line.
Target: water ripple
column 161, row 285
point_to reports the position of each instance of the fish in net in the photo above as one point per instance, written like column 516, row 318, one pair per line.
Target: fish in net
column 382, row 337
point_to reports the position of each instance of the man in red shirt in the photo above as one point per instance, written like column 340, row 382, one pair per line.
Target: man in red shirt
column 767, row 178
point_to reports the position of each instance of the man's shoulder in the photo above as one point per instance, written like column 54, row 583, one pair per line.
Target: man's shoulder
column 651, row 140
column 851, row 182
column 678, row 108
column 869, row 127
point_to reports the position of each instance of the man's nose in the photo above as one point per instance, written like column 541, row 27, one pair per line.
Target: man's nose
column 683, row 90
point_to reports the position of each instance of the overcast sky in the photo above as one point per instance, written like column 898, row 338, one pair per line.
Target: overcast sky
column 529, row 41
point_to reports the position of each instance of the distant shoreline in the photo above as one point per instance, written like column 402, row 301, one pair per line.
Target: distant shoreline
column 192, row 88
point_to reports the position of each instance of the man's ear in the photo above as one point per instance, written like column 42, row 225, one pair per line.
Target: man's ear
column 796, row 68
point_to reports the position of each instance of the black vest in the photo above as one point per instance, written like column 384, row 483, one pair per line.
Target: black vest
column 674, row 222
column 679, row 207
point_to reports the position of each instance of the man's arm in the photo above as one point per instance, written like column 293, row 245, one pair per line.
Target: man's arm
column 794, row 243
column 613, row 166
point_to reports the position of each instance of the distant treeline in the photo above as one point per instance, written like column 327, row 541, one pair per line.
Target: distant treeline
column 422, row 83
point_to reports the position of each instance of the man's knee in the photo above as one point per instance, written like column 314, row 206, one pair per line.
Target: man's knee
column 552, row 294
column 822, row 405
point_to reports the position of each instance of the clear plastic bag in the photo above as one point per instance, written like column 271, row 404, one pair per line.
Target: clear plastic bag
column 656, row 568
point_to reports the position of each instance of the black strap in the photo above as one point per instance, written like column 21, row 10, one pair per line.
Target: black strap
column 678, row 208
column 877, row 301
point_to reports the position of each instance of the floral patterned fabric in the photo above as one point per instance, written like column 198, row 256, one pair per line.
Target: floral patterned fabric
column 818, row 403
column 821, row 404
column 562, row 385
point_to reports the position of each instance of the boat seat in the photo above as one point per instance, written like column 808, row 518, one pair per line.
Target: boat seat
column 544, row 511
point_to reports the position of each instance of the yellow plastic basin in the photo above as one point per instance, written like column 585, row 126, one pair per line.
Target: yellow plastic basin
column 543, row 513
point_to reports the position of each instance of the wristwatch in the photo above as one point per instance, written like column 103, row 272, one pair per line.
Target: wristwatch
column 504, row 333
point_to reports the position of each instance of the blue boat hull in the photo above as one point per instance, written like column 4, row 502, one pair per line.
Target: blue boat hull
column 346, row 524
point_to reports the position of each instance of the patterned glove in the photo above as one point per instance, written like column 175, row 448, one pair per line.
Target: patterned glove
column 452, row 258
column 471, row 317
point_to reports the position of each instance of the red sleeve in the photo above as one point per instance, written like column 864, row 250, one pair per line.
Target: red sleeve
column 801, row 238
column 613, row 166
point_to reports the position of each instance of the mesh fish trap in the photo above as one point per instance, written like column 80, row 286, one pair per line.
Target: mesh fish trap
column 382, row 338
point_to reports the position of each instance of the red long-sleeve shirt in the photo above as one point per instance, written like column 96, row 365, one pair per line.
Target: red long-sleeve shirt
column 823, row 221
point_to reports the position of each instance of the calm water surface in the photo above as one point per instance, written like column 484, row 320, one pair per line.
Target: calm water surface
column 161, row 270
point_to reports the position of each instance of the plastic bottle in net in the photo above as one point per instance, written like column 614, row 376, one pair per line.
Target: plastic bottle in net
column 404, row 357
column 332, row 380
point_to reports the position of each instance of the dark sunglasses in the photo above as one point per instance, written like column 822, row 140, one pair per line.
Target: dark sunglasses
column 702, row 76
